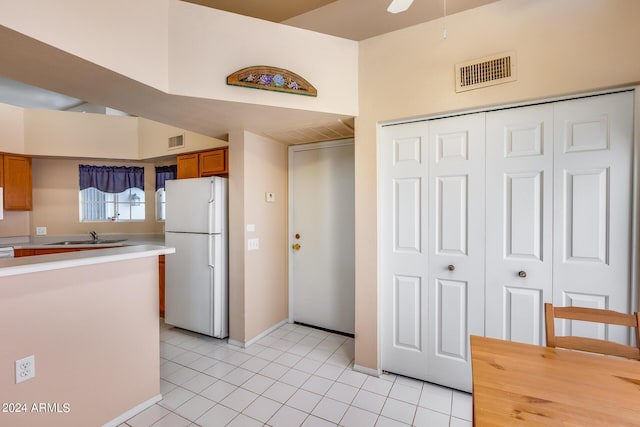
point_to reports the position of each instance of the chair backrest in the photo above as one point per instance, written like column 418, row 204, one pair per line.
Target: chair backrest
column 591, row 344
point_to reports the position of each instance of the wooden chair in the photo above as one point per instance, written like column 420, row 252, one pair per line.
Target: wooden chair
column 591, row 344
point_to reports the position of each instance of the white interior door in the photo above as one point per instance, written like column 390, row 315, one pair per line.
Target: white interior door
column 322, row 235
column 593, row 195
column 456, row 246
column 519, row 222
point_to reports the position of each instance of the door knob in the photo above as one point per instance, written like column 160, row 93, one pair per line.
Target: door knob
column 296, row 247
column 297, row 236
column 451, row 267
column 522, row 274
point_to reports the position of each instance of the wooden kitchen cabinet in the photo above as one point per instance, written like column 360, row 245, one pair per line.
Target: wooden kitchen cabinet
column 18, row 252
column 204, row 163
column 213, row 162
column 188, row 166
column 22, row 252
column 161, row 283
column 17, row 182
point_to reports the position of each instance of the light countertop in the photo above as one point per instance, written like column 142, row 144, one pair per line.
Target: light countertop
column 36, row 242
column 32, row 264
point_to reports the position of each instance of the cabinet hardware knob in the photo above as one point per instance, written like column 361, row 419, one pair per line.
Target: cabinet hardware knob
column 451, row 267
column 522, row 274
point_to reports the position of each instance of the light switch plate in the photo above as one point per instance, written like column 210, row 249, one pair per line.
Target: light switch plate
column 253, row 244
column 41, row 231
column 251, row 228
column 269, row 197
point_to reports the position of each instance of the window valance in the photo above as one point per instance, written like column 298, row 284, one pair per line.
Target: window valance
column 111, row 179
column 165, row 173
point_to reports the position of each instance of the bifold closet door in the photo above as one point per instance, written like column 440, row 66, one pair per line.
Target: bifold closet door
column 519, row 222
column 593, row 208
column 432, row 247
column 404, row 260
column 456, row 246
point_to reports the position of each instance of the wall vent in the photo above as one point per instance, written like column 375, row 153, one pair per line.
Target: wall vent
column 487, row 71
column 176, row 142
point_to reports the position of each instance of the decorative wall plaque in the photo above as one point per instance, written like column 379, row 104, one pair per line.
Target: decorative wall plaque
column 272, row 78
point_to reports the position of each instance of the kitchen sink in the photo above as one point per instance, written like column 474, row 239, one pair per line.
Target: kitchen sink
column 87, row 242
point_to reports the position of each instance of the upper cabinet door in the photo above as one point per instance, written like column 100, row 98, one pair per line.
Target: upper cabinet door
column 188, row 166
column 17, row 183
column 213, row 162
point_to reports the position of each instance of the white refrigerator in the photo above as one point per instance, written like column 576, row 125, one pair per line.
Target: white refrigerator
column 196, row 277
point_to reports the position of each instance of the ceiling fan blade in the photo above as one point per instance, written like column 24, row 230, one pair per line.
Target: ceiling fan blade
column 398, row 6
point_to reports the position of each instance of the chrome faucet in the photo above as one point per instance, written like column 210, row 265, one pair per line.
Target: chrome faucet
column 94, row 235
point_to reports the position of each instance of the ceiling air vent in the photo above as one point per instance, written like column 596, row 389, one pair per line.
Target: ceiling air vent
column 488, row 71
column 176, row 142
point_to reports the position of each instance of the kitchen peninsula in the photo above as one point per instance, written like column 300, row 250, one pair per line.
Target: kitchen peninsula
column 90, row 320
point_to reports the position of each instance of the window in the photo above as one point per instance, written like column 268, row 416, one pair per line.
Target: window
column 163, row 173
column 111, row 193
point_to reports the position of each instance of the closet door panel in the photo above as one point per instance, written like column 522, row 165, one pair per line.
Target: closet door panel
column 593, row 206
column 404, row 258
column 519, row 216
column 456, row 248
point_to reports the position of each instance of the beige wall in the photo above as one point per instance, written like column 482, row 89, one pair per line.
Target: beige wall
column 15, row 224
column 562, row 47
column 258, row 288
column 186, row 49
column 11, row 129
column 72, row 134
column 129, row 37
column 62, row 133
column 206, row 45
column 153, row 138
column 94, row 333
column 56, row 199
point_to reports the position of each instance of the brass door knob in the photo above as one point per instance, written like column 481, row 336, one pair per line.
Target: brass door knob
column 296, row 247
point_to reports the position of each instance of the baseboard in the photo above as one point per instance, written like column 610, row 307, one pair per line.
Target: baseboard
column 133, row 411
column 365, row 370
column 257, row 338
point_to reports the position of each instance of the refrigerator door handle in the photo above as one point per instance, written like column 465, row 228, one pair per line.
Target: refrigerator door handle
column 212, row 210
column 211, row 252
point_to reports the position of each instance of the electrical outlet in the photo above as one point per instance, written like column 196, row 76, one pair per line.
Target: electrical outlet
column 25, row 368
column 41, row 231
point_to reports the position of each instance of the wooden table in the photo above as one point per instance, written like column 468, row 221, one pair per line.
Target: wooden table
column 521, row 384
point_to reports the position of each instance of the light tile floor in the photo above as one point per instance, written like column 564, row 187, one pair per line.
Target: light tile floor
column 295, row 376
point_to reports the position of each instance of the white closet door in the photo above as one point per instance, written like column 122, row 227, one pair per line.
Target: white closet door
column 519, row 222
column 593, row 194
column 404, row 266
column 456, row 246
